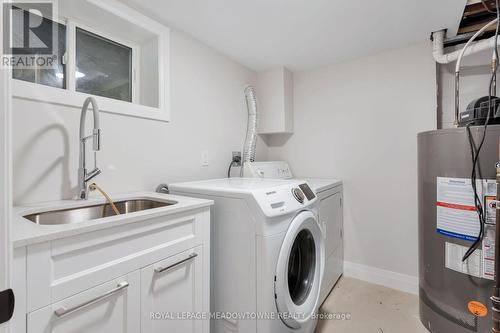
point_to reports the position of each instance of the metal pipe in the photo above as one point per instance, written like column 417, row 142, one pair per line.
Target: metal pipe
column 457, row 98
column 470, row 44
column 439, row 43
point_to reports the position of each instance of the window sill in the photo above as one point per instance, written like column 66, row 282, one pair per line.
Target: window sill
column 56, row 96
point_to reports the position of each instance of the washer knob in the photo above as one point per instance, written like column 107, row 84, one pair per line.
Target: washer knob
column 298, row 194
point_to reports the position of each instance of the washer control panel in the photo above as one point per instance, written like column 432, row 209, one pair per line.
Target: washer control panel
column 284, row 199
column 307, row 191
column 298, row 194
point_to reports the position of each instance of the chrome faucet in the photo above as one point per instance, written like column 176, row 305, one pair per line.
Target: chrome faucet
column 83, row 175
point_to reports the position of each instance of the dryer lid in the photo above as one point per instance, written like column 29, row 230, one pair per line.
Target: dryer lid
column 299, row 271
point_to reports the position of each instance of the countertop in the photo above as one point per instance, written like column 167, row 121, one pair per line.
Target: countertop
column 25, row 232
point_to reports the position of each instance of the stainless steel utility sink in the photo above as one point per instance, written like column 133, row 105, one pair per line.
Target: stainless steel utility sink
column 87, row 213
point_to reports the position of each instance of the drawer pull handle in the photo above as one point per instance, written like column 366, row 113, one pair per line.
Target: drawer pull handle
column 163, row 269
column 61, row 312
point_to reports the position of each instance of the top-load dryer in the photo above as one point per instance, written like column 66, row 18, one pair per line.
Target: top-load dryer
column 329, row 192
column 267, row 254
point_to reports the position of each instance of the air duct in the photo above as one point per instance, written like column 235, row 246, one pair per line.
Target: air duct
column 251, row 138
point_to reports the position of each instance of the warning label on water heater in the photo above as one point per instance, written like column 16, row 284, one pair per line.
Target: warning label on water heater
column 481, row 262
column 457, row 218
column 489, row 252
column 456, row 213
column 453, row 260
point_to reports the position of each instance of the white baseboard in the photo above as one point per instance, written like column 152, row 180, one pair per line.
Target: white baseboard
column 398, row 281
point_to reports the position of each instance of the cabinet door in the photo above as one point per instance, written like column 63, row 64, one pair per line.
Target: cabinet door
column 171, row 294
column 110, row 307
column 330, row 211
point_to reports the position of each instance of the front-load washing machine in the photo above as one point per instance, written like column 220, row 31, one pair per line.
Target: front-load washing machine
column 330, row 193
column 267, row 254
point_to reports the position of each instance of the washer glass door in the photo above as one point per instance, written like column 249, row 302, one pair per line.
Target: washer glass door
column 299, row 271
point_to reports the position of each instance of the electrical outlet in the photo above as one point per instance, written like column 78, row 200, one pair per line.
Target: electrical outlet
column 237, row 155
column 204, row 158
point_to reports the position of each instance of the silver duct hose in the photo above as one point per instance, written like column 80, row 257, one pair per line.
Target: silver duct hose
column 251, row 138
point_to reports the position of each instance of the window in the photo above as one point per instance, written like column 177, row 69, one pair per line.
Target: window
column 107, row 50
column 103, row 67
column 50, row 77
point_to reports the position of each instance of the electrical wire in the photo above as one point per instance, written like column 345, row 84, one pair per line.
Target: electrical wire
column 475, row 151
column 477, row 200
column 236, row 160
column 229, row 169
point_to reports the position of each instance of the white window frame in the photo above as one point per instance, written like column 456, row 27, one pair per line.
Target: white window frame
column 72, row 98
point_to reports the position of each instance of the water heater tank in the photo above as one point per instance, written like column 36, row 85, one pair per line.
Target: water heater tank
column 454, row 296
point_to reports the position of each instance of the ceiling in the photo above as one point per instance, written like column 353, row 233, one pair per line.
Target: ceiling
column 304, row 34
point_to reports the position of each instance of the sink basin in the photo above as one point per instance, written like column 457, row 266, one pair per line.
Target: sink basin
column 86, row 213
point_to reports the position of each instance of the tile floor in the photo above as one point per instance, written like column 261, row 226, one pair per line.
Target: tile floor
column 372, row 309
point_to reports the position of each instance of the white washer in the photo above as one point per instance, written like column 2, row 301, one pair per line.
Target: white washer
column 267, row 255
column 329, row 192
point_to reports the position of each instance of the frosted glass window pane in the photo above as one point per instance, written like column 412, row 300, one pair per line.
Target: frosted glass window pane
column 103, row 67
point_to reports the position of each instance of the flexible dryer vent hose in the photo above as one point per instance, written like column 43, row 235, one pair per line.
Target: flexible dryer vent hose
column 251, row 138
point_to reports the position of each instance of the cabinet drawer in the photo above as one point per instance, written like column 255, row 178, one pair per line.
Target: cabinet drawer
column 110, row 307
column 65, row 267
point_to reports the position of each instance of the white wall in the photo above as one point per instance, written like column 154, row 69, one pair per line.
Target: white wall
column 358, row 121
column 208, row 113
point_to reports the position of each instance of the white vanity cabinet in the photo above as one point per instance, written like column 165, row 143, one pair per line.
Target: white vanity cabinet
column 122, row 278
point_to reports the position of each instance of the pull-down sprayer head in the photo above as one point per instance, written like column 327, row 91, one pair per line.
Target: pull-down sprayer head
column 96, row 133
column 83, row 175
